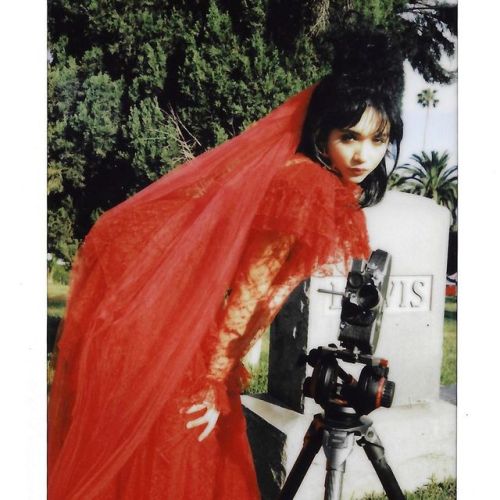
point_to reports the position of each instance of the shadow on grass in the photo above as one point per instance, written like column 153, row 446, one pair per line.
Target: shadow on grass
column 57, row 301
column 52, row 326
column 450, row 308
column 450, row 314
column 56, row 304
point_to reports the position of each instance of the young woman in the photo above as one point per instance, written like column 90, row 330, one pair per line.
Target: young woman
column 171, row 288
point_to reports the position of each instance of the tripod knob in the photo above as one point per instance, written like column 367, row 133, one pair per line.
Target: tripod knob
column 388, row 394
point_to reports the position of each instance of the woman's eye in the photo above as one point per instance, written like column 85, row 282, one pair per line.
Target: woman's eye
column 380, row 139
column 346, row 137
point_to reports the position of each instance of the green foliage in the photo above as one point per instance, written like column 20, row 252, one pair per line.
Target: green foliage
column 378, row 12
column 424, row 31
column 96, row 115
column 134, row 88
column 429, row 176
column 427, row 97
column 60, row 228
column 148, row 135
column 60, row 274
column 231, row 78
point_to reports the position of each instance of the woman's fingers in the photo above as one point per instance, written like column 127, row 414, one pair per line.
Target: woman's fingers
column 197, row 421
column 195, row 408
column 208, row 419
column 211, row 417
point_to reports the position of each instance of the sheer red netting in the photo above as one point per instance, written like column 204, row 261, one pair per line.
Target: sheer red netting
column 169, row 290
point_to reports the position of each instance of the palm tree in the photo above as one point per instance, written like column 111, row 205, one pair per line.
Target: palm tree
column 426, row 99
column 429, row 176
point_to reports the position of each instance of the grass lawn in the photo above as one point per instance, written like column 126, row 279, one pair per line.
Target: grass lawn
column 449, row 366
column 445, row 490
column 258, row 382
column 56, row 301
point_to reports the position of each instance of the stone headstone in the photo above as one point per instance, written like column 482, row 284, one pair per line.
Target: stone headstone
column 288, row 342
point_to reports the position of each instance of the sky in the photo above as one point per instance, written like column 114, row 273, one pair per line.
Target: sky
column 442, row 124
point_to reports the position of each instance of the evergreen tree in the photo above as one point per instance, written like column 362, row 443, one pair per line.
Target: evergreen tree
column 138, row 86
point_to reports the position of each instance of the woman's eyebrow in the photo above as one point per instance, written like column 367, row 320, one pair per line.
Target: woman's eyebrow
column 376, row 133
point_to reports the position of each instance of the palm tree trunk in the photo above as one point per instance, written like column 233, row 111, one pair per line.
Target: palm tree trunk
column 425, row 127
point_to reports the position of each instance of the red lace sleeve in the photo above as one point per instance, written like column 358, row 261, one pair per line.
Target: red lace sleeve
column 247, row 310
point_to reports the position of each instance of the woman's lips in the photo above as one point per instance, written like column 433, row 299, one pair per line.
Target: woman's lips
column 357, row 171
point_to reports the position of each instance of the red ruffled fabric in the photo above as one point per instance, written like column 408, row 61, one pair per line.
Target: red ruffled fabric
column 318, row 209
column 148, row 297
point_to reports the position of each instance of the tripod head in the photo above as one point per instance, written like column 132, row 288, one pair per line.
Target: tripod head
column 331, row 386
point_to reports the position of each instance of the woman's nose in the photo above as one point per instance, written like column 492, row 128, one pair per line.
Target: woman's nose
column 360, row 152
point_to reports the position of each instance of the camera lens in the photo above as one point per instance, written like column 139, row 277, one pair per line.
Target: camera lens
column 355, row 279
column 368, row 296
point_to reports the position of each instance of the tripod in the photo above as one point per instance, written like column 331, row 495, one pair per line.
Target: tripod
column 336, row 431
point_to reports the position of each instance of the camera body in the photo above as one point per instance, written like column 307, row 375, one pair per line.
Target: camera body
column 363, row 302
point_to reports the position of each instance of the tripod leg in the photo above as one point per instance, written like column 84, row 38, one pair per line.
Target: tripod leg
column 375, row 452
column 337, row 445
column 333, row 484
column 312, row 444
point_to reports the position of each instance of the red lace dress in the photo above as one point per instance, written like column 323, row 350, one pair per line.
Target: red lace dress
column 126, row 367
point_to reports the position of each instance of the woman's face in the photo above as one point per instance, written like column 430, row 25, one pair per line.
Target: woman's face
column 356, row 151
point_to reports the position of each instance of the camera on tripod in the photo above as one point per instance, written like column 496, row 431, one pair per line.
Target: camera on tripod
column 345, row 400
column 360, row 320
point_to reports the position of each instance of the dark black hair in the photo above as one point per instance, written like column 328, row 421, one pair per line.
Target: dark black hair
column 367, row 72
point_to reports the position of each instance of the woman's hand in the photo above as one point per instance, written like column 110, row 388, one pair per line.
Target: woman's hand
column 209, row 418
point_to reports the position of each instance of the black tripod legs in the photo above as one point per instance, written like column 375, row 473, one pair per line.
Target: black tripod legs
column 312, row 444
column 337, row 445
column 375, row 452
column 337, row 439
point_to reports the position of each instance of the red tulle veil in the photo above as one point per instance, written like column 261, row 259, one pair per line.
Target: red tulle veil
column 146, row 285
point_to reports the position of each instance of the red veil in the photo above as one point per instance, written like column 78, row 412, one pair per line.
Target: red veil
column 146, row 287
